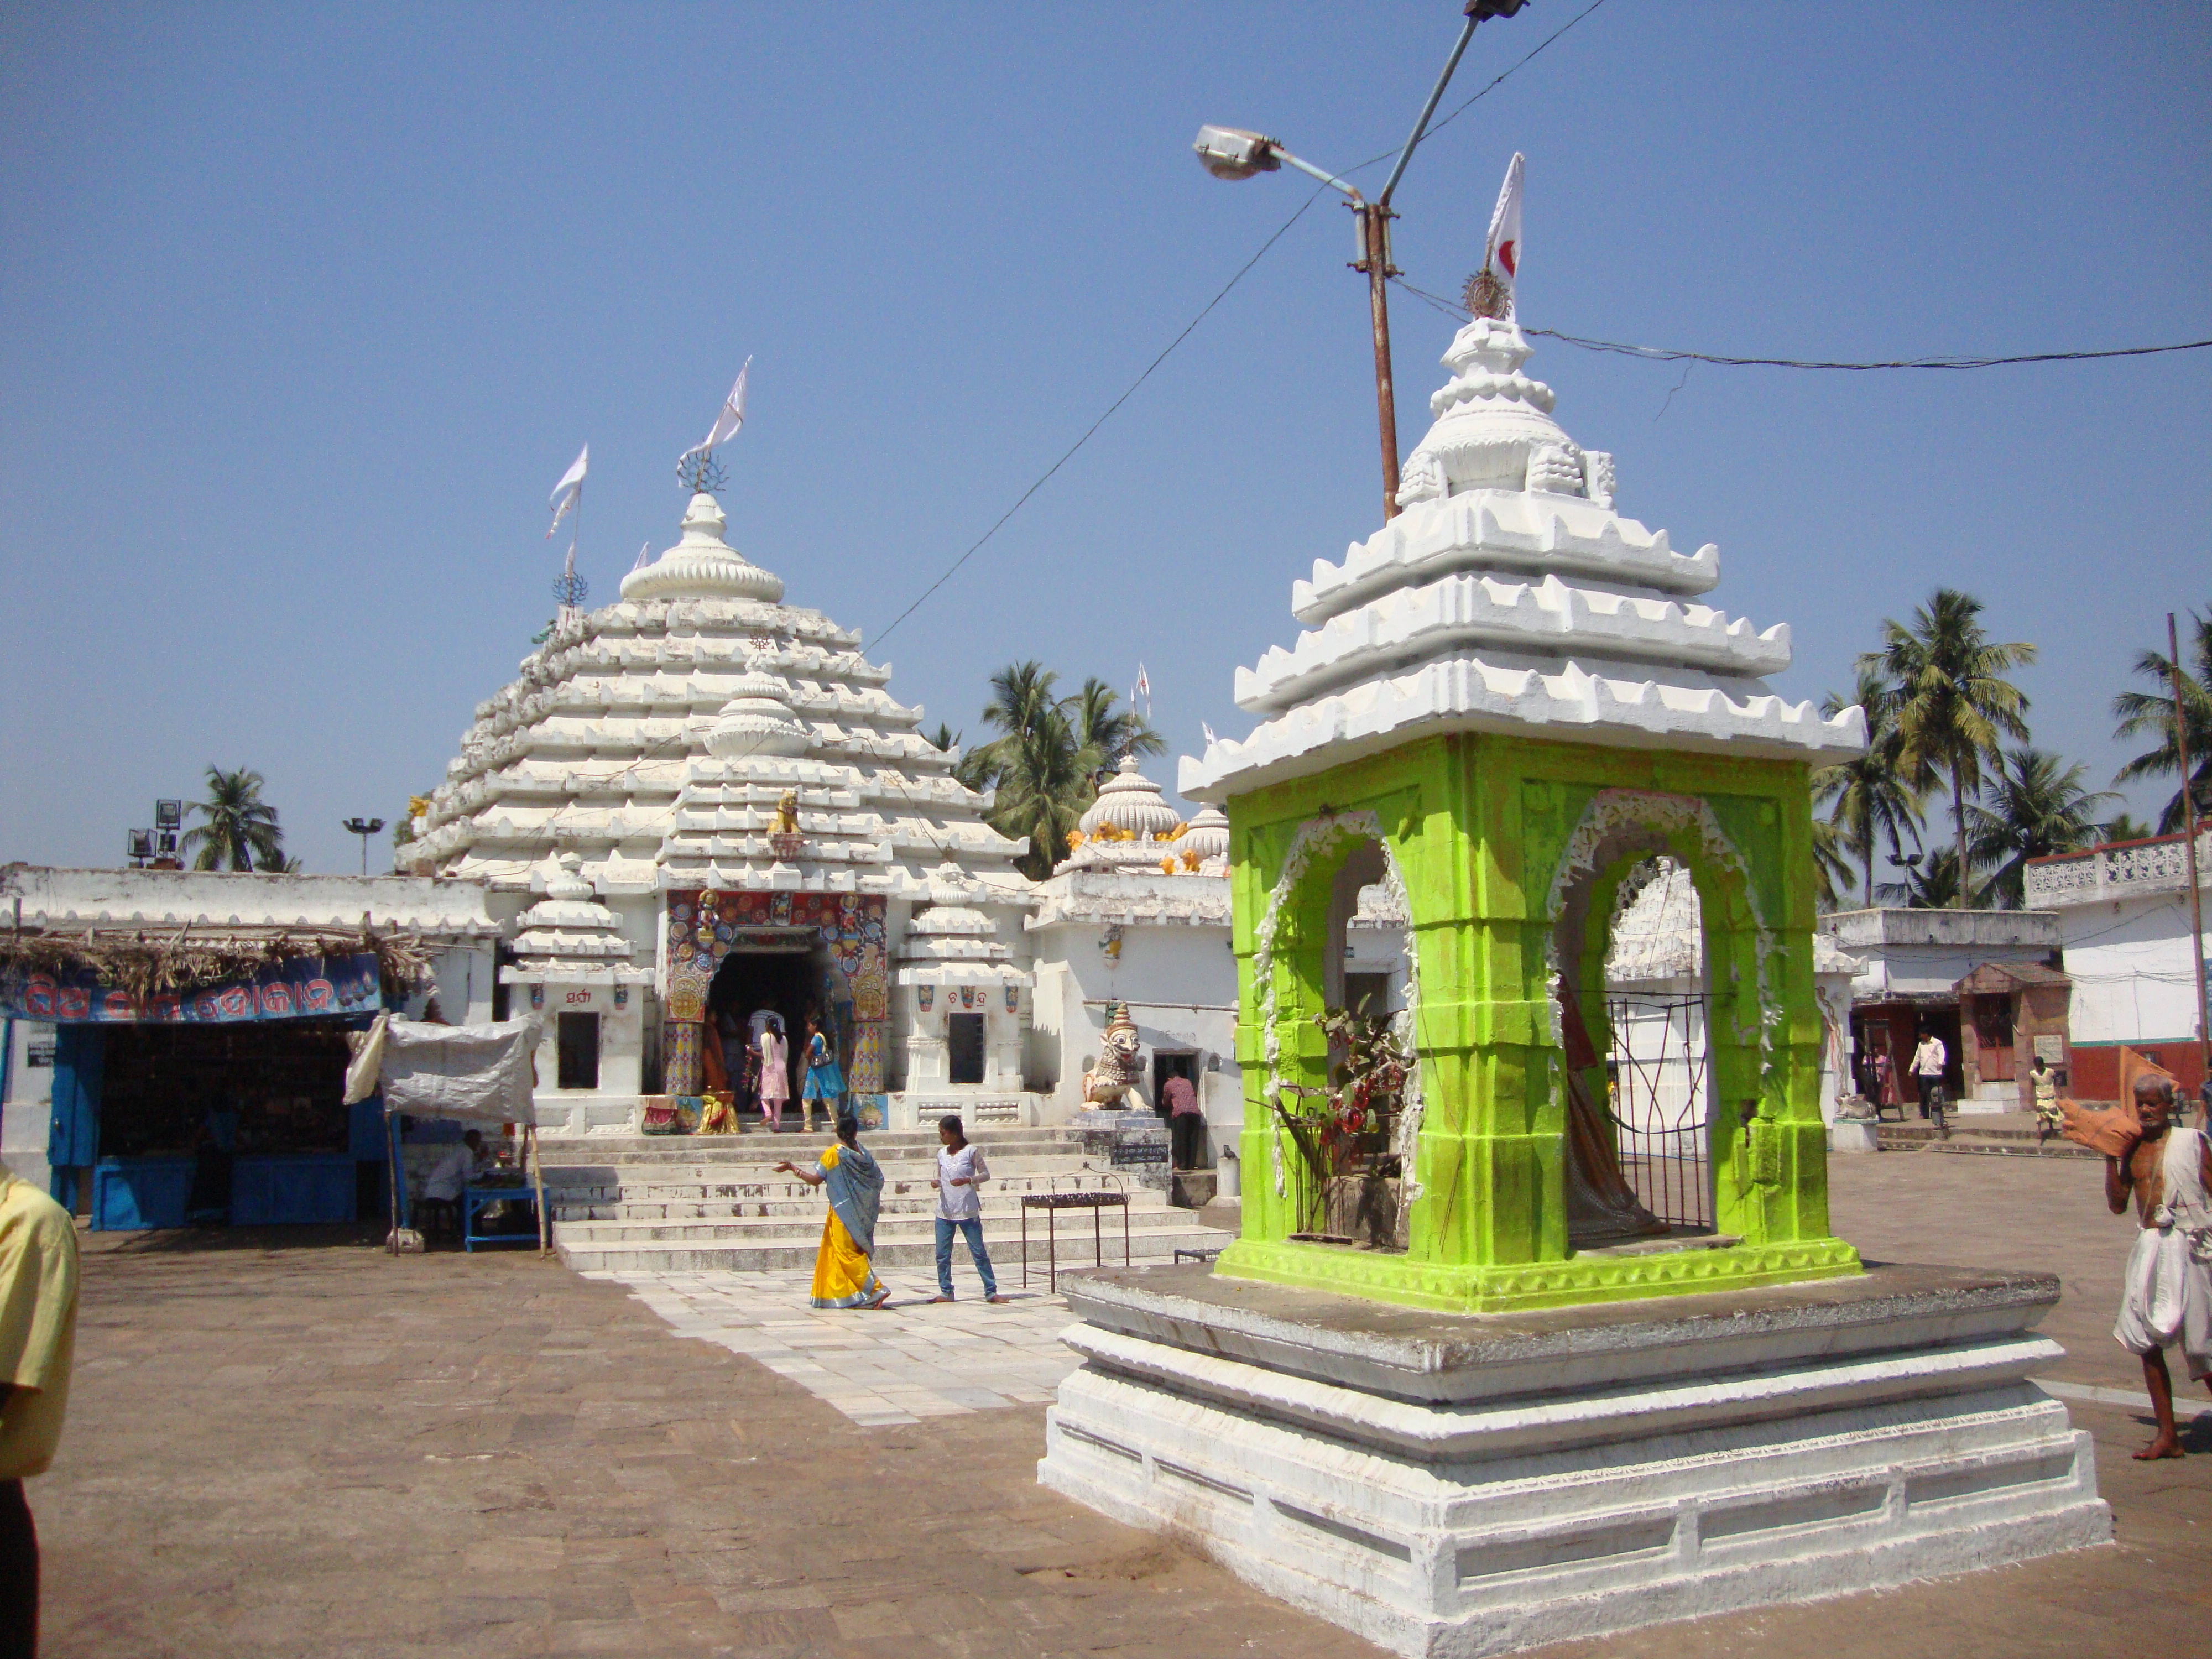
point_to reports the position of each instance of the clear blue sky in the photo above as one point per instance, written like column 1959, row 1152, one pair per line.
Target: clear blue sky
column 307, row 307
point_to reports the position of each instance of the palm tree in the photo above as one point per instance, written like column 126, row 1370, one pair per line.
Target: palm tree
column 242, row 831
column 1931, row 883
column 2123, row 826
column 2036, row 806
column 1868, row 797
column 1043, row 788
column 1050, row 750
column 1832, row 871
column 1953, row 701
column 2143, row 713
column 1106, row 733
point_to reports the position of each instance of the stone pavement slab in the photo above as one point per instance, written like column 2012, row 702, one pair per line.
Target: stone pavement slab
column 910, row 1361
column 281, row 1444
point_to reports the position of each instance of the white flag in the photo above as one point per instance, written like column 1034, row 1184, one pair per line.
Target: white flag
column 732, row 417
column 1144, row 688
column 1502, row 253
column 569, row 490
column 644, row 556
column 1210, row 738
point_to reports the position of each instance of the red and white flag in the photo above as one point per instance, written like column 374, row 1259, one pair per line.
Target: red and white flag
column 569, row 490
column 1502, row 253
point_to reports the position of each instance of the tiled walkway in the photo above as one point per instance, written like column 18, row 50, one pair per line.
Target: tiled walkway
column 893, row 1366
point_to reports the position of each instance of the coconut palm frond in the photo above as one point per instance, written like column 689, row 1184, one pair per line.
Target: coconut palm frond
column 1955, row 703
column 2150, row 714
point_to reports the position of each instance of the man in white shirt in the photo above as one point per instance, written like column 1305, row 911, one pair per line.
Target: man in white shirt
column 453, row 1170
column 960, row 1171
column 1928, row 1063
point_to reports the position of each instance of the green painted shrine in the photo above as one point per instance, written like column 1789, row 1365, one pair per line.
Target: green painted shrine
column 1507, row 698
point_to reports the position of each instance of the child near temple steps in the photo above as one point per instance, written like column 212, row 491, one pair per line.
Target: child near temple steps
column 2167, row 1296
column 961, row 1172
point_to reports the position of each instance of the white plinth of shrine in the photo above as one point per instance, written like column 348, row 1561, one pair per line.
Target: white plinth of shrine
column 1468, row 1484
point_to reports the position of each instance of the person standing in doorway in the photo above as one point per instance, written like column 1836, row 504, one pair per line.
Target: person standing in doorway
column 961, row 1173
column 1927, row 1062
column 38, row 1341
column 1186, row 1124
column 774, row 1073
column 825, row 1082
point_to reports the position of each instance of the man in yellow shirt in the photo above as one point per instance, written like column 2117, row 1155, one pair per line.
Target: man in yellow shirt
column 38, row 1339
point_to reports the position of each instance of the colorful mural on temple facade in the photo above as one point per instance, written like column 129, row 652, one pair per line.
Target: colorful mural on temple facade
column 705, row 925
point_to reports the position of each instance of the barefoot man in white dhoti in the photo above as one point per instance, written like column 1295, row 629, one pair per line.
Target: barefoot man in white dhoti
column 2168, row 1296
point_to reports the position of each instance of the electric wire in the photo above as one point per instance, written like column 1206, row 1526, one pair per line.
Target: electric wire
column 1670, row 354
column 876, row 638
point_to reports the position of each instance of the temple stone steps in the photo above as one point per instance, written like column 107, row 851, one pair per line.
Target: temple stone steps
column 998, row 1220
column 802, row 1204
column 682, row 1204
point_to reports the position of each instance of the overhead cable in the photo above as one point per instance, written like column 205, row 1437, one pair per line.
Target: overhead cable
column 1669, row 355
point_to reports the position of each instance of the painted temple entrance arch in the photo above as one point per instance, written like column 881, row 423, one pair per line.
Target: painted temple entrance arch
column 845, row 934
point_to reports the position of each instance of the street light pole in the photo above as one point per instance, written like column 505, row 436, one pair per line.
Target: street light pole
column 364, row 827
column 1233, row 152
column 2189, row 829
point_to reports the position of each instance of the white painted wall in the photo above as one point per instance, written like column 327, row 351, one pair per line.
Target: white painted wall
column 2130, row 962
column 1180, row 981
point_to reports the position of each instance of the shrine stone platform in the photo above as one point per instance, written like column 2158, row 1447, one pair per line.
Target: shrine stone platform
column 1459, row 1484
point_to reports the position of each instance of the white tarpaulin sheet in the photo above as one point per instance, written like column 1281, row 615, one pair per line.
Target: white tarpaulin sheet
column 479, row 1073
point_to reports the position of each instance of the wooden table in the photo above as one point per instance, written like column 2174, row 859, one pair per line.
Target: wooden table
column 1051, row 1204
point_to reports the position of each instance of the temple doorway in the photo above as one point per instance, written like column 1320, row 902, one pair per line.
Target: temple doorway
column 786, row 982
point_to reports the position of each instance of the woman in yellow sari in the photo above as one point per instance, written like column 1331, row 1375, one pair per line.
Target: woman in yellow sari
column 843, row 1276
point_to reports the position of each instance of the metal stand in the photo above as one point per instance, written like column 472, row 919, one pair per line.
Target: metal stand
column 1051, row 1204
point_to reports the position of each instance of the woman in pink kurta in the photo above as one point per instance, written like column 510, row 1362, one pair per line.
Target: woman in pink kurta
column 774, row 1077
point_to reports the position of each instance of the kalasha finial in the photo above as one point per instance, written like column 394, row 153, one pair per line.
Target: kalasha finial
column 1485, row 295
column 701, row 473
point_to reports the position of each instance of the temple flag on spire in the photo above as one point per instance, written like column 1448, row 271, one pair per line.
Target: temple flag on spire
column 1501, row 255
column 728, row 423
column 569, row 490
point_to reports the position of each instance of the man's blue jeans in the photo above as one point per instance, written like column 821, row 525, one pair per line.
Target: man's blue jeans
column 972, row 1230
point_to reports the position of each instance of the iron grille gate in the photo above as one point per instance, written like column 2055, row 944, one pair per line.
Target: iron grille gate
column 1660, row 1102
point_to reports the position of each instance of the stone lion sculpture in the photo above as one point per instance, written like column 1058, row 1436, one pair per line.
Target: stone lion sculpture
column 1111, row 1080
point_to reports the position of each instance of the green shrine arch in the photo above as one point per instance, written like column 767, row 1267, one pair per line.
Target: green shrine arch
column 1507, row 853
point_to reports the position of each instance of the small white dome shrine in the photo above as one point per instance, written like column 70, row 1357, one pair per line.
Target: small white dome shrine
column 1128, row 804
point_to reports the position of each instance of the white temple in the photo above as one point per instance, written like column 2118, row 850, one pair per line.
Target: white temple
column 1509, row 593
column 701, row 800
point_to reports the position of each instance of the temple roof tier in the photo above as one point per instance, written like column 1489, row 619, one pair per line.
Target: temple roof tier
column 1508, row 596
column 1477, row 610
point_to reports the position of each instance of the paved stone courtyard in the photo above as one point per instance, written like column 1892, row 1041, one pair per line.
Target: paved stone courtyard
column 912, row 1361
column 286, row 1445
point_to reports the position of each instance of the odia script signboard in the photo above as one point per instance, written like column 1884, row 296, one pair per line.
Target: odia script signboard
column 301, row 987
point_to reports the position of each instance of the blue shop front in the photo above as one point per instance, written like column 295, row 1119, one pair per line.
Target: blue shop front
column 218, row 1103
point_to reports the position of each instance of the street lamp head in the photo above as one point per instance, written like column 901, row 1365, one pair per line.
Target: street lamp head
column 1233, row 153
column 1483, row 11
column 363, row 826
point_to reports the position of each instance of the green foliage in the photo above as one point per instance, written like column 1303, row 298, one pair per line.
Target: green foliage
column 1049, row 753
column 2123, row 826
column 1955, row 703
column 1930, row 883
column 1869, row 799
column 2150, row 714
column 241, row 832
column 2034, row 805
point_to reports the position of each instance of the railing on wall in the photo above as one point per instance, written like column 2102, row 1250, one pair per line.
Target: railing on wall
column 2156, row 866
column 1660, row 1102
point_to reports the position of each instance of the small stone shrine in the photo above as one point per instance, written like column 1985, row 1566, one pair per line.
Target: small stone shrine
column 1491, row 1366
